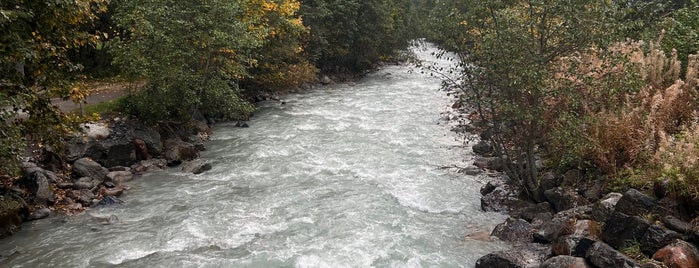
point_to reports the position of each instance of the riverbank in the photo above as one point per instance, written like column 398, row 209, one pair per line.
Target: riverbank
column 581, row 223
column 102, row 157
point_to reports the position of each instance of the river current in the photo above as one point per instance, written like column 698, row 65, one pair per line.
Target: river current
column 345, row 175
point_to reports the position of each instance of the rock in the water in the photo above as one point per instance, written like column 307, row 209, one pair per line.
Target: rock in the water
column 86, row 167
column 679, row 254
column 502, row 199
column 565, row 262
column 603, row 255
column 179, row 151
column 241, row 124
column 622, row 230
column 119, row 177
column 514, row 231
column 149, row 166
column 41, row 213
column 196, row 166
column 564, row 198
column 110, row 201
column 501, row 259
column 325, row 80
column 635, row 203
column 527, row 255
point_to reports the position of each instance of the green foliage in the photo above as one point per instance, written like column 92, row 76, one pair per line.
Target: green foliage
column 353, row 35
column 191, row 53
column 512, row 45
column 35, row 37
column 682, row 32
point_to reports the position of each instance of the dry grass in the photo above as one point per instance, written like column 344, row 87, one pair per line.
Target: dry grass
column 631, row 110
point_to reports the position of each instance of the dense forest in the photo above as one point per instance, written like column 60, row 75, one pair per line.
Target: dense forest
column 607, row 87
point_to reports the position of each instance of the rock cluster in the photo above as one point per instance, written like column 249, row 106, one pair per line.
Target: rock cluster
column 577, row 227
column 100, row 162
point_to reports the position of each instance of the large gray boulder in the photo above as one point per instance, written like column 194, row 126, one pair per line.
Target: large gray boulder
column 603, row 255
column 86, row 167
column 36, row 181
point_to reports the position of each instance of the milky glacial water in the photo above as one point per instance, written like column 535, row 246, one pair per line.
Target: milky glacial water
column 344, row 175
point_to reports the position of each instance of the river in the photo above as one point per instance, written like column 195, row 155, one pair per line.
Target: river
column 344, row 175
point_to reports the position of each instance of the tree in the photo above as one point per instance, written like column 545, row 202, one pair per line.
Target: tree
column 351, row 35
column 281, row 62
column 191, row 53
column 35, row 39
column 509, row 47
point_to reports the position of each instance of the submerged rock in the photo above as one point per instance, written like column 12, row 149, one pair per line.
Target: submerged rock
column 196, row 166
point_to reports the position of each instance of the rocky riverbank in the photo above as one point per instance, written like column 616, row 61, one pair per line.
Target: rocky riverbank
column 580, row 224
column 99, row 162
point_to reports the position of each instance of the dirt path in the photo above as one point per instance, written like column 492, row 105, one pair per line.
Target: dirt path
column 100, row 92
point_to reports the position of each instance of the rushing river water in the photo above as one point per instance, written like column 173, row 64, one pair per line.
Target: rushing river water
column 342, row 176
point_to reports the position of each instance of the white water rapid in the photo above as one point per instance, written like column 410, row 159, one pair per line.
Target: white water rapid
column 341, row 176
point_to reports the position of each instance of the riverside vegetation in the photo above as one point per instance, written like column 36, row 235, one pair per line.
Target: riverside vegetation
column 576, row 99
column 573, row 99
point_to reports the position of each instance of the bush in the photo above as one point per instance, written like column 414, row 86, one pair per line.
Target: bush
column 621, row 110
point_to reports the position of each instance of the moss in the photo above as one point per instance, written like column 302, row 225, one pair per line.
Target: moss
column 11, row 211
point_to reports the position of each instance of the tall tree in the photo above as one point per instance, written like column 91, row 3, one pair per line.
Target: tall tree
column 509, row 47
column 191, row 53
column 35, row 38
column 352, row 35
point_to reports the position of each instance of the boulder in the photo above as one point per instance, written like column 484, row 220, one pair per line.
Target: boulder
column 488, row 188
column 677, row 224
column 196, row 166
column 565, row 262
column 241, row 124
column 149, row 136
column 503, row 199
column 41, row 213
column 149, row 166
column 622, row 230
column 37, row 182
column 679, row 254
column 549, row 231
column 564, row 198
column 177, row 150
column 514, row 231
column 526, row 255
column 82, row 196
column 604, row 208
column 534, row 212
column 85, row 183
column 572, row 245
column 109, row 201
column 635, row 203
column 118, row 177
column 13, row 210
column 76, row 148
column 657, row 237
column 86, row 167
column 117, row 150
column 603, row 255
